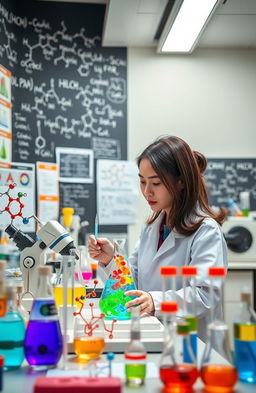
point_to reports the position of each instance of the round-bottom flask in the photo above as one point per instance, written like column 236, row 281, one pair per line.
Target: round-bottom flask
column 218, row 376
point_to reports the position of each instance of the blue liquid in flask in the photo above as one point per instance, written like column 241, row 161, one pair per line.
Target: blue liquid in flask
column 12, row 333
column 245, row 360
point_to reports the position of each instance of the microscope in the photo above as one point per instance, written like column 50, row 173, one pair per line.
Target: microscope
column 50, row 235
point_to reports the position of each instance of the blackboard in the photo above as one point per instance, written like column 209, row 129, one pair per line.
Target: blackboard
column 67, row 90
column 227, row 177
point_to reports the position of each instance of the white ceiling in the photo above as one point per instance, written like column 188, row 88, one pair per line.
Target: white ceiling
column 135, row 22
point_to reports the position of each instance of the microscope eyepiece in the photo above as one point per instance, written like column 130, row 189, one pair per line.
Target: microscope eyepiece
column 22, row 240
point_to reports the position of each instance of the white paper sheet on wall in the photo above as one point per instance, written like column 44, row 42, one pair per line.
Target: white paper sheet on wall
column 117, row 192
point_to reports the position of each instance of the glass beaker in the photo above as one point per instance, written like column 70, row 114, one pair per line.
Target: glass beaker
column 86, row 271
column 75, row 285
column 89, row 340
column 113, row 299
column 221, row 375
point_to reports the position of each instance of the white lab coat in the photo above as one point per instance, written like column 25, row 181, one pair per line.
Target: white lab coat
column 203, row 249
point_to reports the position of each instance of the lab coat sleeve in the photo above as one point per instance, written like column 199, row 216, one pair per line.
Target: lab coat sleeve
column 207, row 249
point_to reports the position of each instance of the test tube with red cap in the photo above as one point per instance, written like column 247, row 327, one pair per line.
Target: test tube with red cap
column 175, row 374
column 167, row 273
column 220, row 375
column 189, row 273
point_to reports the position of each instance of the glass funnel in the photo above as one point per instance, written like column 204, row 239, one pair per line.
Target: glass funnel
column 113, row 299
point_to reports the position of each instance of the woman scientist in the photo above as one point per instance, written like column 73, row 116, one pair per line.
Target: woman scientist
column 182, row 231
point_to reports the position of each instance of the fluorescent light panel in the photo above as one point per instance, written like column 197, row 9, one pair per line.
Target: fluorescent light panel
column 187, row 25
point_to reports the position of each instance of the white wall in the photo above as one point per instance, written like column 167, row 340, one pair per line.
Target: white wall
column 207, row 98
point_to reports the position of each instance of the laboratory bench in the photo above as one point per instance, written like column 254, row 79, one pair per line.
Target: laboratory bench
column 23, row 379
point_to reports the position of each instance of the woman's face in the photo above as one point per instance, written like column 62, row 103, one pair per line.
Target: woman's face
column 152, row 188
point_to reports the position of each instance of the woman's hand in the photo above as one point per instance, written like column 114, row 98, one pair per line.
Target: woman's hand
column 144, row 301
column 100, row 249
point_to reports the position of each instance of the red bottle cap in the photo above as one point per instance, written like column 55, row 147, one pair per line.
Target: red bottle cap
column 169, row 306
column 188, row 271
column 1, row 360
column 217, row 271
column 135, row 357
column 168, row 271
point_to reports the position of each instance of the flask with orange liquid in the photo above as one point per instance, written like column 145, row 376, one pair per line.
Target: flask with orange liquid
column 218, row 376
column 176, row 374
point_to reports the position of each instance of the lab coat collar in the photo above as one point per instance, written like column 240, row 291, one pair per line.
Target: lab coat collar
column 154, row 235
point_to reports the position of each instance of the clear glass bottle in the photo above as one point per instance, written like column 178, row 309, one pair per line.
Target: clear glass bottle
column 3, row 302
column 135, row 354
column 245, row 340
column 176, row 374
column 221, row 375
column 43, row 340
column 113, row 298
column 12, row 332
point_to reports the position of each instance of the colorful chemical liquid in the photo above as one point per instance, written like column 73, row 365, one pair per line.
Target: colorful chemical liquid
column 43, row 343
column 88, row 348
column 245, row 351
column 87, row 275
column 12, row 333
column 135, row 374
column 113, row 300
column 3, row 307
column 219, row 378
column 180, row 377
column 58, row 295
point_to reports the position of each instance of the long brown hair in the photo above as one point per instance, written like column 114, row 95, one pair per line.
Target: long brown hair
column 173, row 160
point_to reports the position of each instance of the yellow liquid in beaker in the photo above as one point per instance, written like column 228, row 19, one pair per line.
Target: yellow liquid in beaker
column 58, row 295
column 88, row 348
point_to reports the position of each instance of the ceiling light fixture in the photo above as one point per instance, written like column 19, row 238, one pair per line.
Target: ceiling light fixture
column 185, row 24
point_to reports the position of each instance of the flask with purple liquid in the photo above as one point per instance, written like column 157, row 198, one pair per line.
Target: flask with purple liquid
column 43, row 340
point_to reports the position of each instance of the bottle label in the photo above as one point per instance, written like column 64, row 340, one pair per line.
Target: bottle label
column 44, row 309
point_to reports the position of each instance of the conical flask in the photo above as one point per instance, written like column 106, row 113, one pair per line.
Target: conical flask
column 43, row 340
column 113, row 299
column 176, row 374
column 221, row 375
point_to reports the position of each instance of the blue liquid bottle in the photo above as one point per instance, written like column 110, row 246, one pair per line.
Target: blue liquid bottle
column 12, row 333
column 43, row 341
column 245, row 340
